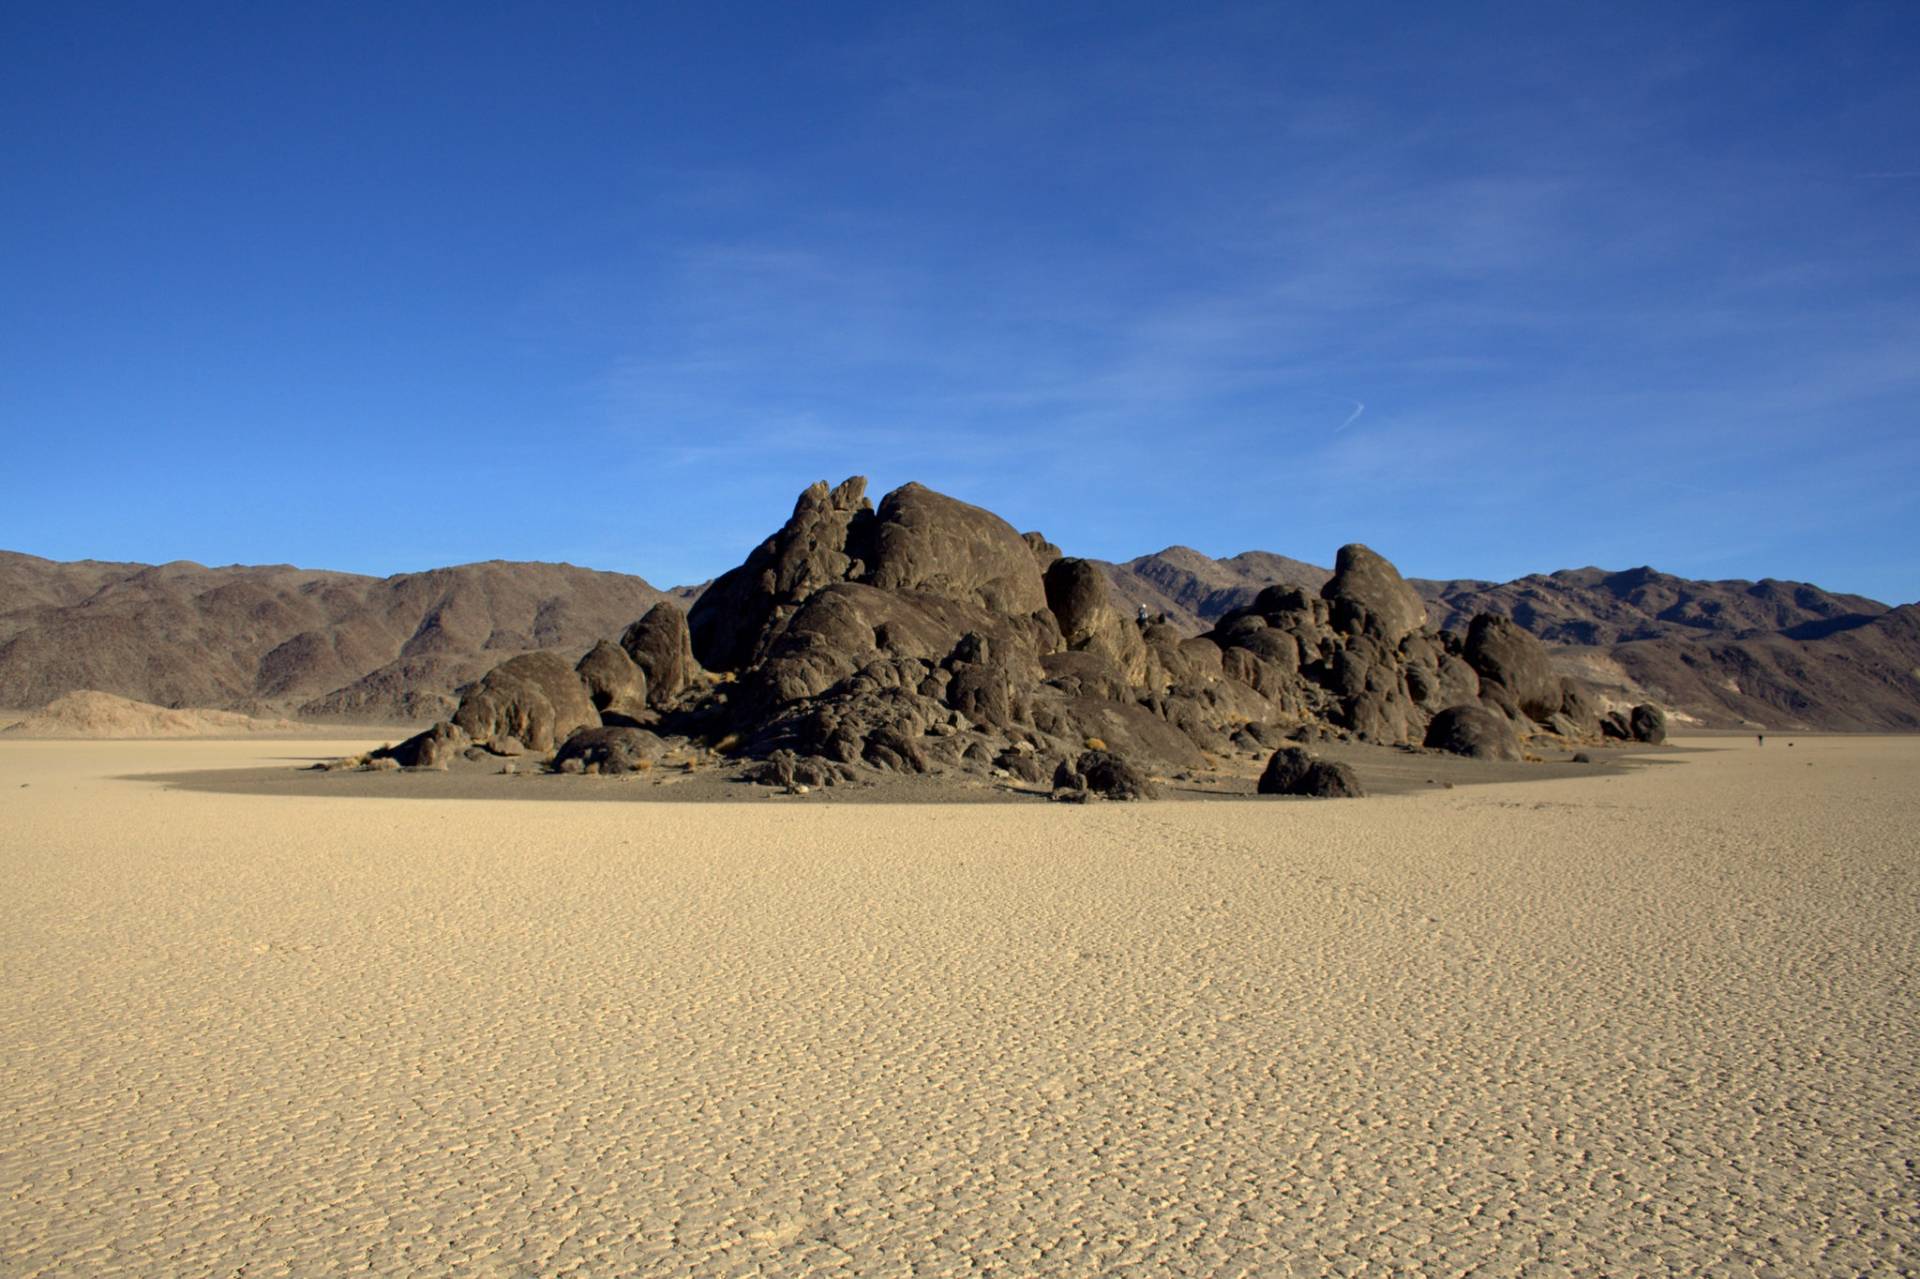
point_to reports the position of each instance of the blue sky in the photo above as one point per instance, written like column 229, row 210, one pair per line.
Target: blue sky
column 1494, row 288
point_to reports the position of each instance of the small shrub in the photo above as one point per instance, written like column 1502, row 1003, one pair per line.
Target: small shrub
column 1095, row 744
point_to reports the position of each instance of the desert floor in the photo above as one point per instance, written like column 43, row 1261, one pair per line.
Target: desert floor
column 1656, row 1023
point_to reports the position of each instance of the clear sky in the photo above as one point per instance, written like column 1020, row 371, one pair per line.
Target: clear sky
column 1493, row 288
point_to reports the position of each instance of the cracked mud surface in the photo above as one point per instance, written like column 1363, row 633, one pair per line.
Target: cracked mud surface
column 1662, row 1023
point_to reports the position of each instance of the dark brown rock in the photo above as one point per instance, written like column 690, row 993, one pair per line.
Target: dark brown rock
column 1086, row 675
column 1368, row 595
column 843, row 628
column 1122, row 727
column 1044, row 552
column 660, row 644
column 535, row 699
column 1103, row 773
column 434, row 749
column 1293, row 771
column 891, row 750
column 613, row 681
column 1581, row 708
column 1502, row 653
column 611, row 750
column 1648, row 723
column 746, row 608
column 1473, row 731
column 930, row 543
column 1077, row 596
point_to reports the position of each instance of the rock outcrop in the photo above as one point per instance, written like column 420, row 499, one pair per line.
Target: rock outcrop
column 610, row 750
column 661, row 648
column 531, row 702
column 1369, row 597
column 614, row 683
column 928, row 637
column 1505, row 655
column 1102, row 773
column 1473, row 731
column 1292, row 771
column 434, row 749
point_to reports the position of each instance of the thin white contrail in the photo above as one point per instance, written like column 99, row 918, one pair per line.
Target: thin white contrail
column 1358, row 409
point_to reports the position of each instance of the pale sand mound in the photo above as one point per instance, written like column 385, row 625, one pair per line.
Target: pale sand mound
column 88, row 713
column 1655, row 1024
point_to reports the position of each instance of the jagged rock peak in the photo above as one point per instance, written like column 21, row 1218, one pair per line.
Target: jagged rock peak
column 823, row 542
column 849, row 495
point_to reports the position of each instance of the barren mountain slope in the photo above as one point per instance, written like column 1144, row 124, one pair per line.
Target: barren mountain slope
column 1593, row 606
column 1725, row 652
column 1193, row 589
column 1859, row 678
column 281, row 639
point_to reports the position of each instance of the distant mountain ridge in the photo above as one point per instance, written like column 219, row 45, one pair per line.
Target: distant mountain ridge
column 282, row 640
column 1593, row 606
column 1193, row 589
column 1725, row 653
column 317, row 644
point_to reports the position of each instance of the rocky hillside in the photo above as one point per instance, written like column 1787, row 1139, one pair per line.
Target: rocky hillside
column 278, row 640
column 1590, row 606
column 284, row 640
column 1722, row 653
column 1861, row 677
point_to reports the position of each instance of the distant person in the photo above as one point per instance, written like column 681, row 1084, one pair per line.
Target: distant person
column 1142, row 619
column 1760, row 738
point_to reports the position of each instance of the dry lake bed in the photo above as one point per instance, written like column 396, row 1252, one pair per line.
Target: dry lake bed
column 1655, row 1022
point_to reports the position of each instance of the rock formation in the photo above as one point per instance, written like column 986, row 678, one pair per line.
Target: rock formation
column 532, row 702
column 1648, row 723
column 1293, row 771
column 1473, row 731
column 927, row 636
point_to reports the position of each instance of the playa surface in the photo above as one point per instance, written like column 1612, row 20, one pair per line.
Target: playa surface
column 1660, row 1022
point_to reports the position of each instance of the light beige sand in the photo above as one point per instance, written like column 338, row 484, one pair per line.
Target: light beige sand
column 1654, row 1024
column 93, row 714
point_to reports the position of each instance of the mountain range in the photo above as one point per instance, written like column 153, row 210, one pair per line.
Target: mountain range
column 339, row 646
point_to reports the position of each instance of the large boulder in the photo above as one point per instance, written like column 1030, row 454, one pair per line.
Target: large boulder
column 1473, row 731
column 928, row 542
column 846, row 627
column 613, row 681
column 1581, row 709
column 1293, row 771
column 1648, row 723
column 535, row 699
column 610, row 750
column 1368, row 595
column 661, row 646
column 1504, row 654
column 435, row 748
column 1077, row 595
column 1103, row 773
column 891, row 749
